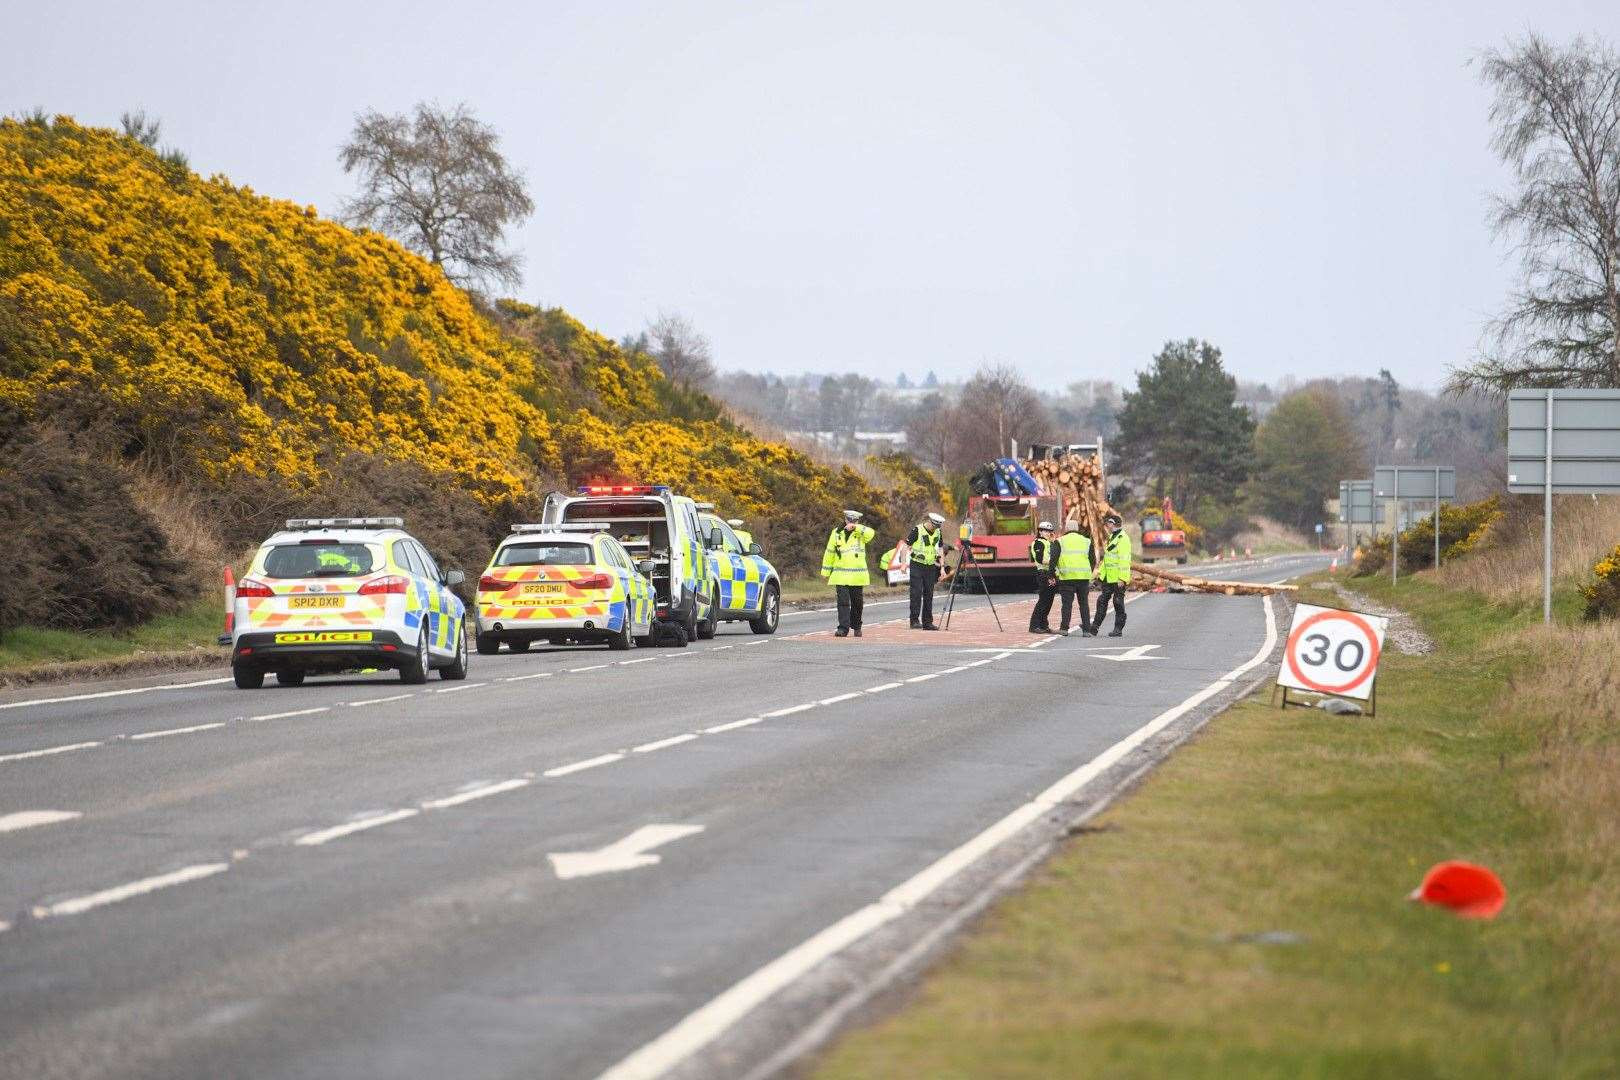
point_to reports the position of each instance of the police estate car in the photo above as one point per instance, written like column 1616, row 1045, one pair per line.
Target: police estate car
column 562, row 584
column 747, row 587
column 341, row 594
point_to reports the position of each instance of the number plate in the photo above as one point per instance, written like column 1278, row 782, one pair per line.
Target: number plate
column 315, row 602
column 323, row 637
column 548, row 589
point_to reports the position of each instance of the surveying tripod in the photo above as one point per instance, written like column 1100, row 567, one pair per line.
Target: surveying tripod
column 965, row 562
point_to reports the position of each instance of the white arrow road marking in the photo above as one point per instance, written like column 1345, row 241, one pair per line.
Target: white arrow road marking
column 27, row 819
column 628, row 854
column 1137, row 653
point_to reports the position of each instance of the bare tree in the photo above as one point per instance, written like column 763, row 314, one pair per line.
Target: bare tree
column 1557, row 119
column 997, row 408
column 931, row 432
column 436, row 181
column 142, row 128
column 679, row 349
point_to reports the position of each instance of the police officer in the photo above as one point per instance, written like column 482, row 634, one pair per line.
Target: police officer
column 843, row 564
column 1043, row 552
column 743, row 535
column 1074, row 575
column 928, row 548
column 1115, row 574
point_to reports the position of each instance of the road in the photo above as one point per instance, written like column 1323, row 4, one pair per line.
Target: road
column 573, row 861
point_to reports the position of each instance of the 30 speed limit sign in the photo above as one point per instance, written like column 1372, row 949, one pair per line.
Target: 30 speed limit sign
column 1333, row 652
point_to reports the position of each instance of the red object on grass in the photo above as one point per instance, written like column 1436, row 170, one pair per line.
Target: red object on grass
column 1471, row 891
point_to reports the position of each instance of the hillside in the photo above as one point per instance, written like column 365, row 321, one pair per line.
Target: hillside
column 235, row 357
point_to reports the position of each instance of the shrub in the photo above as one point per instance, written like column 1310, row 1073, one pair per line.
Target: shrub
column 1463, row 527
column 1602, row 596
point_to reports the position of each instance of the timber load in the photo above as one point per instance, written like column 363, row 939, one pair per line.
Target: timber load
column 1151, row 577
column 1078, row 481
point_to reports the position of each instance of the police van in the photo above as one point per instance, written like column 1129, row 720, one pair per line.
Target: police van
column 657, row 526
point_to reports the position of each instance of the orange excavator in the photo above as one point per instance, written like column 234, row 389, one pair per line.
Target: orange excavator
column 1160, row 537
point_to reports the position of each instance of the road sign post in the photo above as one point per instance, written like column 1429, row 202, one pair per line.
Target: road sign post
column 1333, row 652
column 1400, row 482
column 1562, row 442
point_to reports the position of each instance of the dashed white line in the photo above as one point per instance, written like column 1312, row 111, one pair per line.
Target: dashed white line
column 176, row 731
column 295, row 712
column 377, row 700
column 520, row 678
column 745, row 644
column 673, row 740
column 111, row 693
column 790, row 710
column 48, row 751
column 718, row 648
column 459, row 686
column 878, row 689
column 840, row 697
column 925, row 678
column 28, row 819
column 980, row 663
column 954, row 670
column 476, row 793
column 581, row 766
column 592, row 667
column 643, row 660
column 337, row 831
column 733, row 726
column 81, row 904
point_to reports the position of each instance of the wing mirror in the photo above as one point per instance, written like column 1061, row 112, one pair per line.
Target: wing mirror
column 646, row 566
column 755, row 549
column 452, row 578
column 716, row 540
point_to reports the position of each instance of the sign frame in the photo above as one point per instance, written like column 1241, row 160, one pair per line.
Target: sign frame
column 1443, row 485
column 1367, row 632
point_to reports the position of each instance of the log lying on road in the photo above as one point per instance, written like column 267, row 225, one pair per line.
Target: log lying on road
column 1152, row 577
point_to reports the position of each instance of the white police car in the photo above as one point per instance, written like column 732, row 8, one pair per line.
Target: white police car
column 342, row 594
column 563, row 584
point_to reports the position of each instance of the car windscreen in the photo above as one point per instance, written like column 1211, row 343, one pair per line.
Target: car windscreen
column 544, row 553
column 318, row 560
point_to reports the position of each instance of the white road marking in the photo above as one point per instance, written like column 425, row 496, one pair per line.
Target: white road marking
column 717, row 648
column 1137, row 652
column 840, row 697
column 878, row 689
column 176, row 731
column 476, row 793
column 705, row 1024
column 111, row 693
column 295, row 712
column 80, row 904
column 377, row 700
column 954, row 670
column 643, row 660
column 4, row 926
column 338, row 831
column 581, row 766
column 520, row 678
column 981, row 663
column 459, row 686
column 925, row 678
column 673, row 740
column 48, row 751
column 745, row 644
column 631, row 853
column 592, row 667
column 790, row 710
column 28, row 819
column 733, row 726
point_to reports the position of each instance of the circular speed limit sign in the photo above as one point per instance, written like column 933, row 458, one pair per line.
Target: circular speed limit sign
column 1332, row 651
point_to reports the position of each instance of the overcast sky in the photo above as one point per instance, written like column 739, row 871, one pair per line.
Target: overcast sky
column 891, row 187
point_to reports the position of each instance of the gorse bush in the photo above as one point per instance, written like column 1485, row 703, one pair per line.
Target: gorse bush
column 1602, row 594
column 1462, row 528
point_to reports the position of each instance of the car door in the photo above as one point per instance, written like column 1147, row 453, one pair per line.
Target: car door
column 438, row 602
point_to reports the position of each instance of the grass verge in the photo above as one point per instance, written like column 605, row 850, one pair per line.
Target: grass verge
column 1242, row 913
column 30, row 654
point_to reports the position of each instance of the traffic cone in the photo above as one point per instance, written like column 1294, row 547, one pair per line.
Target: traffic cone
column 230, row 607
column 1467, row 890
column 1333, row 567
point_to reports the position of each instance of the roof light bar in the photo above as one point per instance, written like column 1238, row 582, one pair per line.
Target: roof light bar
column 624, row 489
column 346, row 523
column 705, row 507
column 560, row 527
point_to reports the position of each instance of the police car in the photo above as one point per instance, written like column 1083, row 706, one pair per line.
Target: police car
column 562, row 584
column 341, row 594
column 748, row 588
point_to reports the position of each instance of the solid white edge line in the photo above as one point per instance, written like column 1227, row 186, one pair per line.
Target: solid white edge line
column 673, row 740
column 377, row 700
column 789, row 711
column 840, row 697
column 49, row 750
column 29, row 819
column 709, row 1021
column 475, row 793
column 733, row 726
column 338, row 831
column 581, row 766
column 880, row 687
column 295, row 712
column 80, row 904
column 176, row 731
column 112, row 693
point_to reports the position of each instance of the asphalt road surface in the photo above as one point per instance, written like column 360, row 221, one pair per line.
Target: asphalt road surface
column 576, row 861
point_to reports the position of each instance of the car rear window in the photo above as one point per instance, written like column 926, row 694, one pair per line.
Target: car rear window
column 544, row 554
column 318, row 560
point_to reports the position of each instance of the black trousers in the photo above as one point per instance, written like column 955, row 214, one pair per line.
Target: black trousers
column 923, row 580
column 851, row 599
column 1043, row 603
column 1116, row 591
column 1071, row 590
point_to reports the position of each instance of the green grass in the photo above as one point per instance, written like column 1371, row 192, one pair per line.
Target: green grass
column 798, row 589
column 198, row 624
column 1123, row 955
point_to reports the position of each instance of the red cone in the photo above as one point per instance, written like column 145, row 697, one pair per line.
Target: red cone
column 1470, row 891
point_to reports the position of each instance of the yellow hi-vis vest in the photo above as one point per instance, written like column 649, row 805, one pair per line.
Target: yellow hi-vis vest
column 844, row 561
column 1040, row 552
column 925, row 552
column 1116, row 561
column 1074, row 557
column 744, row 537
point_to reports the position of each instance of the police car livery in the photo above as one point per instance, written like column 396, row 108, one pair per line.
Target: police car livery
column 342, row 594
column 562, row 584
column 748, row 588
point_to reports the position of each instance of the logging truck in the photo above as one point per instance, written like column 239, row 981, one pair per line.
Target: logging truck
column 1012, row 495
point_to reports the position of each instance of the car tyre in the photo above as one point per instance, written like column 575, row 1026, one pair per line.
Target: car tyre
column 488, row 644
column 770, row 612
column 624, row 640
column 457, row 668
column 707, row 628
column 520, row 645
column 247, row 678
column 290, row 678
column 415, row 672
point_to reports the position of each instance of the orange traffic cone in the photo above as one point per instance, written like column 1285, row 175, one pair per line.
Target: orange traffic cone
column 1333, row 567
column 1470, row 891
column 230, row 607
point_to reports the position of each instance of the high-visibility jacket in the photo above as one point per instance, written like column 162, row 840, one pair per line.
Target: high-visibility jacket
column 1116, row 561
column 1074, row 557
column 1043, row 553
column 925, row 546
column 844, row 561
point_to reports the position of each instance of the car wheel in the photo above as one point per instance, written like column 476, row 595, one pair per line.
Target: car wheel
column 457, row 669
column 247, row 678
column 488, row 644
column 710, row 626
column 770, row 612
column 624, row 639
column 290, row 678
column 415, row 672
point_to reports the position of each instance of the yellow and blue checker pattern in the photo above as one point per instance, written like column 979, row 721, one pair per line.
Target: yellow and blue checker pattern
column 741, row 579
